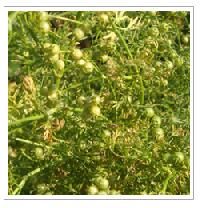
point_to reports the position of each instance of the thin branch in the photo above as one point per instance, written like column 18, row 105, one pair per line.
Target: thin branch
column 21, row 122
column 65, row 19
column 24, row 180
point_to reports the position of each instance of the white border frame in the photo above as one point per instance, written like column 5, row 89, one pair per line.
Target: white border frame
column 4, row 134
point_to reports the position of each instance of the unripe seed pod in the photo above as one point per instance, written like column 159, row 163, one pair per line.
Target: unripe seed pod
column 47, row 46
column 159, row 134
column 95, row 110
column 59, row 64
column 54, row 58
column 88, row 67
column 81, row 100
column 101, row 183
column 169, row 64
column 130, row 98
column 79, row 34
column 156, row 121
column 82, row 145
column 92, row 190
column 165, row 27
column 173, row 54
column 104, row 58
column 185, row 39
column 158, row 64
column 179, row 61
column 81, row 62
column 165, row 82
column 86, row 27
column 44, row 26
column 43, row 16
column 107, row 133
column 154, row 31
column 52, row 96
column 96, row 157
column 149, row 112
column 77, row 54
column 169, row 42
column 44, row 91
column 39, row 153
column 104, row 18
column 166, row 157
column 26, row 54
column 179, row 156
column 42, row 188
column 97, row 99
column 55, row 49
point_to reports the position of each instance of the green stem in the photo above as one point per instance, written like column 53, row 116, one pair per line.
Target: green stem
column 11, row 18
column 57, row 83
column 21, row 122
column 121, row 156
column 165, row 183
column 65, row 19
column 25, row 155
column 128, row 77
column 151, row 106
column 24, row 180
column 141, row 91
column 123, row 41
column 32, row 143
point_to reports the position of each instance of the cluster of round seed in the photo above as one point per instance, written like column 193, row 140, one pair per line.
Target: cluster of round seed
column 100, row 186
column 77, row 54
column 54, row 54
column 44, row 25
column 156, row 122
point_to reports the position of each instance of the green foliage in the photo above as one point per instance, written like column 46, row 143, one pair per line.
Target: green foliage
column 99, row 103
